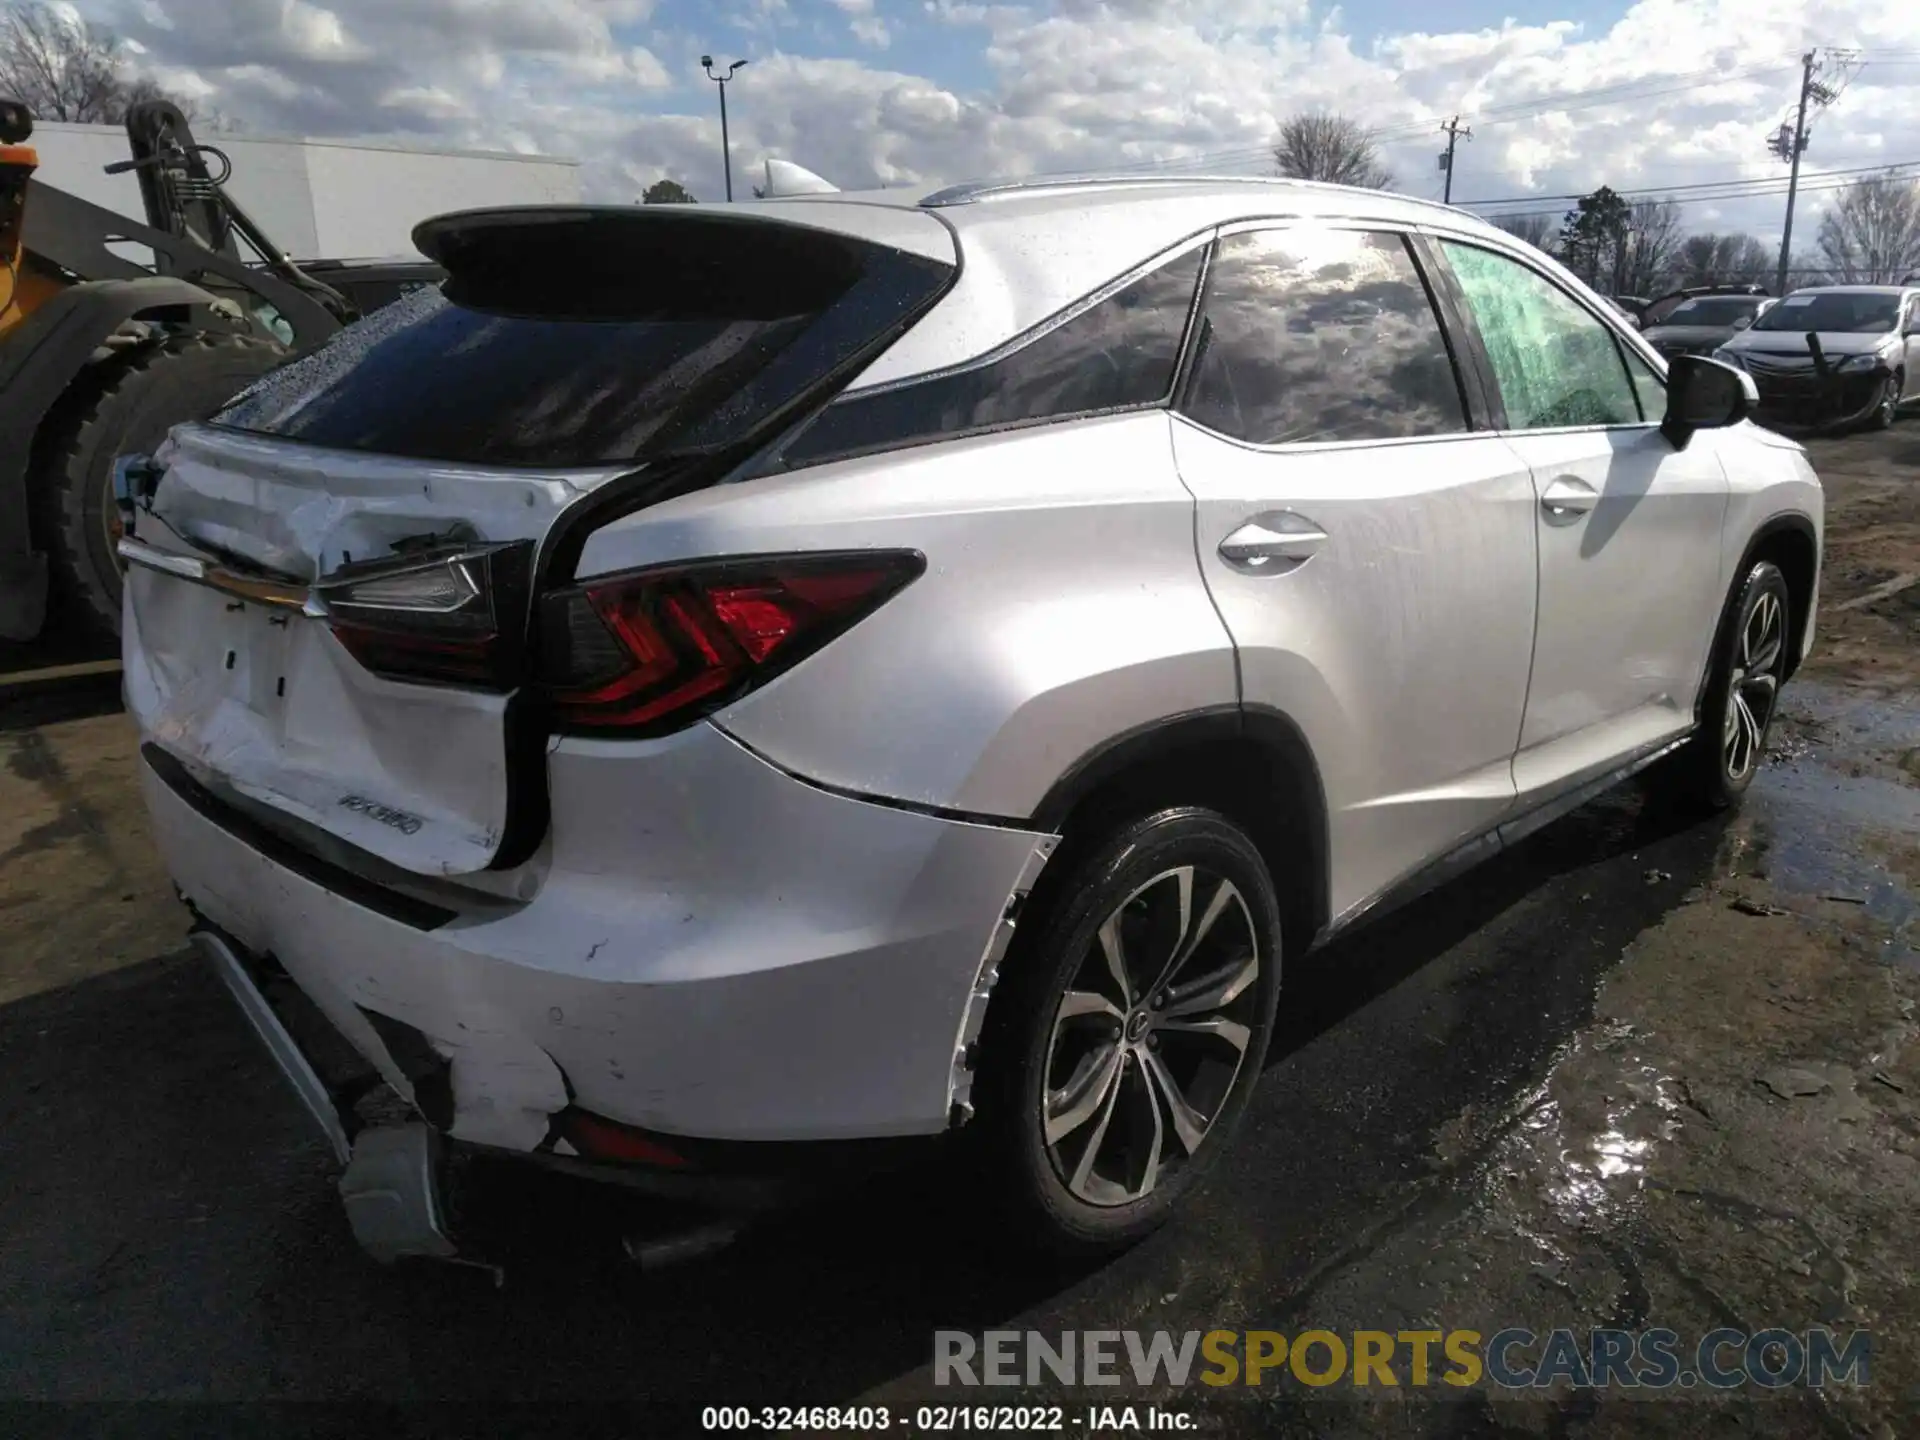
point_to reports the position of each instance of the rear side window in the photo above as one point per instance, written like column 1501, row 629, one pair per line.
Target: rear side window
column 595, row 339
column 1556, row 363
column 1118, row 354
column 1321, row 335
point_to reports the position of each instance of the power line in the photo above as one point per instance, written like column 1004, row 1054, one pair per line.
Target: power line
column 1651, row 190
column 1617, row 93
column 1620, row 93
column 1773, row 188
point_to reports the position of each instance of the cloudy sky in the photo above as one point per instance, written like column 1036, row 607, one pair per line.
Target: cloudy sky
column 1563, row 95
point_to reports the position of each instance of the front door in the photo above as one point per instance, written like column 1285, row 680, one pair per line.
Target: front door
column 1372, row 557
column 1629, row 528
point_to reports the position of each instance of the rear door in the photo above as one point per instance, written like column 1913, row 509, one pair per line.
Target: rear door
column 328, row 589
column 1372, row 555
column 1629, row 528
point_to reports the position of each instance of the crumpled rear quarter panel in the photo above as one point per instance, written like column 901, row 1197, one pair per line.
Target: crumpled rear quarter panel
column 719, row 951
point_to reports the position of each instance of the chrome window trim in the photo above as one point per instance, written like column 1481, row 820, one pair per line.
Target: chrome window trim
column 1316, row 447
column 1015, row 344
column 1261, row 225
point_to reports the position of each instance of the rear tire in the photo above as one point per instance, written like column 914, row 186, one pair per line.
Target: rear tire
column 119, row 407
column 1104, row 1100
column 1715, row 767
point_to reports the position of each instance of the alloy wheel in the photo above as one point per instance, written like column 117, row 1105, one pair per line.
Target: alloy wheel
column 1754, row 685
column 1150, row 1035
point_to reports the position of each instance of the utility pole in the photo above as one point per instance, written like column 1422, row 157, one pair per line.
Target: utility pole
column 726, row 148
column 1453, row 130
column 1789, row 142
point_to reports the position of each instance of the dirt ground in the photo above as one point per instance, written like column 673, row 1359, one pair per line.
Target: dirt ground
column 1641, row 1072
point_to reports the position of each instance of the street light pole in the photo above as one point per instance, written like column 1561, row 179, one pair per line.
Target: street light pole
column 726, row 149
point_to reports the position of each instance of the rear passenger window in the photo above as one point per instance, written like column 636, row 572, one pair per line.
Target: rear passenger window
column 1317, row 335
column 1556, row 364
column 1116, row 355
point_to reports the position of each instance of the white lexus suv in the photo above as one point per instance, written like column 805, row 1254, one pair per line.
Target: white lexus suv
column 713, row 684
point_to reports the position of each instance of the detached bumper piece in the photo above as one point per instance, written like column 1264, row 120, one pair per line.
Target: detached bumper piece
column 316, row 1096
column 392, row 1195
column 397, row 1163
column 391, row 1185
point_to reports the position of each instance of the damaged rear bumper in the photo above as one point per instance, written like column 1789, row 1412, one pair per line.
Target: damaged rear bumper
column 825, row 998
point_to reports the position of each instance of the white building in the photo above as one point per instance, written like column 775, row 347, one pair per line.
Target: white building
column 320, row 199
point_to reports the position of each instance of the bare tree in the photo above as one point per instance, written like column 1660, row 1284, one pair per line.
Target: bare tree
column 1538, row 230
column 1729, row 259
column 1328, row 146
column 1872, row 234
column 62, row 68
column 1651, row 248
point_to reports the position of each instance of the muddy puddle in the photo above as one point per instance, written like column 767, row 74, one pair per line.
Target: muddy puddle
column 1834, row 820
column 1732, row 1138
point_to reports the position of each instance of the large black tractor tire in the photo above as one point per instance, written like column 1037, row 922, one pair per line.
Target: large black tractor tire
column 123, row 406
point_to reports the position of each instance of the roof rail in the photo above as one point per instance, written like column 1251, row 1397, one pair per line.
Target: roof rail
column 972, row 190
column 976, row 190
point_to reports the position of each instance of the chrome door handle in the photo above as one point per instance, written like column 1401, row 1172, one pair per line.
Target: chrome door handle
column 1568, row 496
column 1273, row 542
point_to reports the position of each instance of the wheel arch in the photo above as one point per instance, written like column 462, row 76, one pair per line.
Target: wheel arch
column 1251, row 763
column 1791, row 543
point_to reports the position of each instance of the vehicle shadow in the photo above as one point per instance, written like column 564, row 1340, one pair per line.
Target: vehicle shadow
column 1330, row 984
column 1450, row 1001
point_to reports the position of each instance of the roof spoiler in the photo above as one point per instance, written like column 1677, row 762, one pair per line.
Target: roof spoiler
column 785, row 178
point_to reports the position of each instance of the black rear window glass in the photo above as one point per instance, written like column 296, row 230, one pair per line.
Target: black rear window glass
column 1117, row 354
column 594, row 342
column 1713, row 311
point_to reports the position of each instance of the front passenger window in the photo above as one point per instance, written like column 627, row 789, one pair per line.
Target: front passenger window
column 1555, row 363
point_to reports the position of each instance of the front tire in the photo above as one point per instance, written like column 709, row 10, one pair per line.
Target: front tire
column 1888, row 408
column 1126, row 1038
column 1743, row 692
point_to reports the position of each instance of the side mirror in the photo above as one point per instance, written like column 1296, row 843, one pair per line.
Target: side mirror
column 1741, row 322
column 1705, row 394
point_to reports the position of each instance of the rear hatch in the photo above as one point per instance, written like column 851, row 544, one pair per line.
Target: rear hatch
column 329, row 585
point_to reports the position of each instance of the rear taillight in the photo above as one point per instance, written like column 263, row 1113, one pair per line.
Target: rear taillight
column 452, row 615
column 599, row 1138
column 652, row 651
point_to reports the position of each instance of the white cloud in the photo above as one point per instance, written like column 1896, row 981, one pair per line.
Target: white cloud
column 1072, row 84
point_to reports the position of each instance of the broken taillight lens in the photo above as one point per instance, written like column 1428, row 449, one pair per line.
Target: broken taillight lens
column 652, row 651
column 451, row 615
column 599, row 1138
